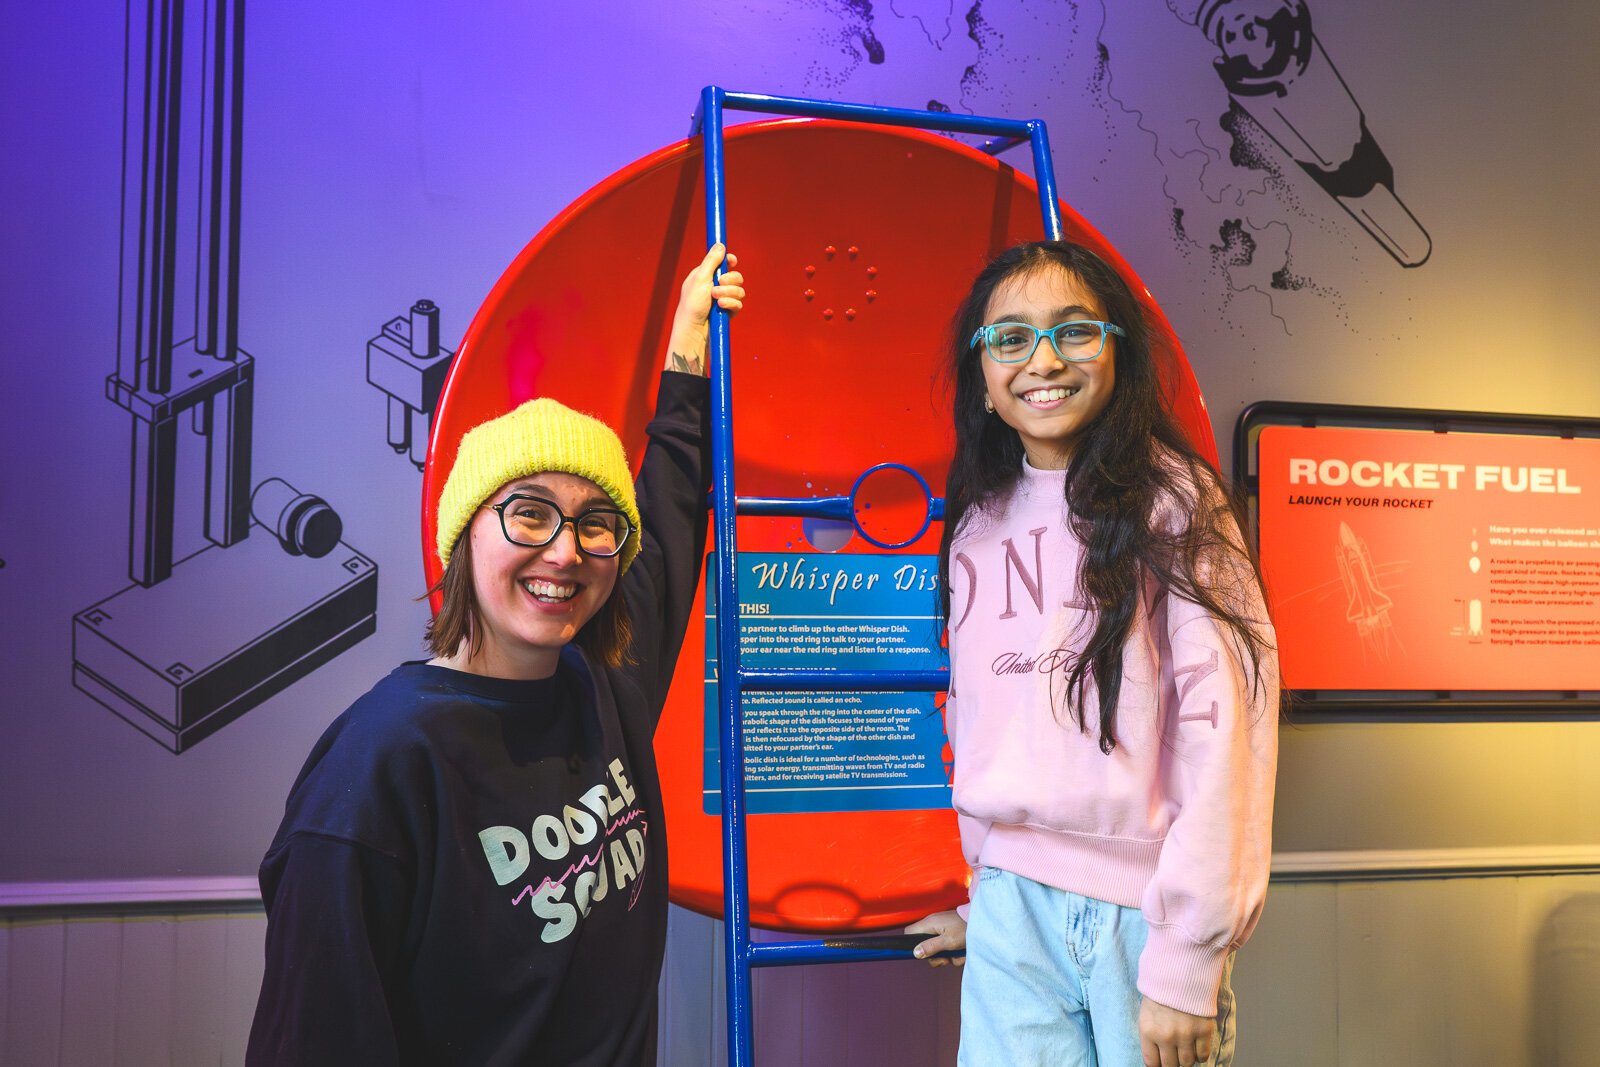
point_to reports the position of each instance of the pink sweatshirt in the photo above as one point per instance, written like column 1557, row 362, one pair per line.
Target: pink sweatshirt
column 1177, row 820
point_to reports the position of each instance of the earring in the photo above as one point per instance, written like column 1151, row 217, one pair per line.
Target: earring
column 988, row 404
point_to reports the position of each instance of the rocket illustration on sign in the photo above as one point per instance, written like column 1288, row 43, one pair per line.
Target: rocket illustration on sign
column 1366, row 603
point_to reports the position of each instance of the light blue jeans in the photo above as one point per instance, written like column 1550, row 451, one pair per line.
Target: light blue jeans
column 1052, row 980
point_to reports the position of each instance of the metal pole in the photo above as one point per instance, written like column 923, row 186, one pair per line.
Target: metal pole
column 735, row 882
column 1044, row 173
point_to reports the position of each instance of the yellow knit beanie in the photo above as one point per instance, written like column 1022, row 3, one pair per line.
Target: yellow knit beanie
column 540, row 435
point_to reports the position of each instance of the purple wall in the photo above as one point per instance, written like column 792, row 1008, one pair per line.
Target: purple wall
column 398, row 151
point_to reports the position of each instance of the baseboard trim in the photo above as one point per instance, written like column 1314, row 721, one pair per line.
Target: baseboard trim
column 1362, row 865
column 134, row 893
column 1357, row 865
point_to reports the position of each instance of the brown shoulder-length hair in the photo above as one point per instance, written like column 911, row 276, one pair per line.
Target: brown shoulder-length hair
column 607, row 638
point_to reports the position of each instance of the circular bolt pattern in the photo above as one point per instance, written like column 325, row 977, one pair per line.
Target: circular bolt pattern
column 831, row 251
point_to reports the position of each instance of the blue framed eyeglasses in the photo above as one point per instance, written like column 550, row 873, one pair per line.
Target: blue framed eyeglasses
column 1078, row 341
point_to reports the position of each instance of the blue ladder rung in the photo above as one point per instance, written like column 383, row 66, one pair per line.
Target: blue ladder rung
column 948, row 121
column 820, row 507
column 821, row 679
column 838, row 950
column 828, row 951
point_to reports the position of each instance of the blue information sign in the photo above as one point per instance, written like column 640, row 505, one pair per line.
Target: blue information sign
column 816, row 752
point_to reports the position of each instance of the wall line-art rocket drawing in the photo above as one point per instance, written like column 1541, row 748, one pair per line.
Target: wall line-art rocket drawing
column 195, row 643
column 1275, row 69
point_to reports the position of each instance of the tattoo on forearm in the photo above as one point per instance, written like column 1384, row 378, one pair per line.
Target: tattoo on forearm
column 683, row 363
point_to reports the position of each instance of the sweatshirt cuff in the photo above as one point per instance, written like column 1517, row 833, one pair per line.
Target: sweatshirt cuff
column 1175, row 971
column 679, row 390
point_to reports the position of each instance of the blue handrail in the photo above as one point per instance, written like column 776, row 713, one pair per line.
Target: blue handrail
column 733, row 679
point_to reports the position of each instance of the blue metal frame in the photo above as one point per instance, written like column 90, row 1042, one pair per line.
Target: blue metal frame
column 733, row 679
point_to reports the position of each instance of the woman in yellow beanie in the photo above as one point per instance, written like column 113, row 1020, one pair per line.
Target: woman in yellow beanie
column 472, row 866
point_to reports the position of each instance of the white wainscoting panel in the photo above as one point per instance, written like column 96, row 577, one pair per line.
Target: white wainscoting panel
column 1433, row 971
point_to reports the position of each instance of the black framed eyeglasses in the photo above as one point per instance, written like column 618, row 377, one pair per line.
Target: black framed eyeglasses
column 534, row 522
column 1078, row 341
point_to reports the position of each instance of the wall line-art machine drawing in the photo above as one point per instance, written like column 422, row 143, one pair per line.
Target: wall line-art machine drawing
column 196, row 642
column 406, row 362
column 1276, row 70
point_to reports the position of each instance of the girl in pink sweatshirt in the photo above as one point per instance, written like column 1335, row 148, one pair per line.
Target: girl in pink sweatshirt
column 1113, row 688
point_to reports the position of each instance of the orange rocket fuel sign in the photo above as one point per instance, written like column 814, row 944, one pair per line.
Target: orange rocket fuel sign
column 1407, row 560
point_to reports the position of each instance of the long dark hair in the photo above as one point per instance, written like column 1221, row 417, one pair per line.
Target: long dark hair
column 1132, row 471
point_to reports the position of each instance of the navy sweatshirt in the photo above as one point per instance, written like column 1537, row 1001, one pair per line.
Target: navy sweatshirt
column 474, row 870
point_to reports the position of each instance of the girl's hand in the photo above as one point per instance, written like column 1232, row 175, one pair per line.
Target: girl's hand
column 1172, row 1038
column 950, row 935
column 686, row 346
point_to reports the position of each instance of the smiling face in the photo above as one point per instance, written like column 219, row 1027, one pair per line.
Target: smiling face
column 533, row 601
column 1048, row 401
